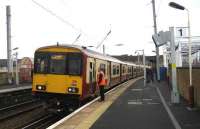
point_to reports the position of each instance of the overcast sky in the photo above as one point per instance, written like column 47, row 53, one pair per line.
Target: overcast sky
column 130, row 21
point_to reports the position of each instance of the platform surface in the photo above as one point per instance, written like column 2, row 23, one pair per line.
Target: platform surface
column 135, row 106
column 11, row 88
column 138, row 108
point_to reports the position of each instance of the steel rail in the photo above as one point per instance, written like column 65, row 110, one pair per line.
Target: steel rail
column 16, row 113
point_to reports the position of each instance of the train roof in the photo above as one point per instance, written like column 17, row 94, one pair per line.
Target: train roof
column 86, row 51
column 130, row 63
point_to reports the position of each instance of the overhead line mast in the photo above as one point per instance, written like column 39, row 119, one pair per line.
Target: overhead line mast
column 9, row 50
column 157, row 48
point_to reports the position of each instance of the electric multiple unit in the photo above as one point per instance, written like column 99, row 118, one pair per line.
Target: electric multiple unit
column 67, row 74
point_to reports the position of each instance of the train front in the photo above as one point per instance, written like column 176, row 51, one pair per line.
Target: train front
column 57, row 76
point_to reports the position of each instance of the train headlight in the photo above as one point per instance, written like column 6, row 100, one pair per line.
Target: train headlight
column 40, row 87
column 72, row 90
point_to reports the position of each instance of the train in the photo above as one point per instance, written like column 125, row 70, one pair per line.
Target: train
column 66, row 75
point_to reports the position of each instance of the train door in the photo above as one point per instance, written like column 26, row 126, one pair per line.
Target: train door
column 132, row 75
column 120, row 72
column 108, row 72
column 92, row 78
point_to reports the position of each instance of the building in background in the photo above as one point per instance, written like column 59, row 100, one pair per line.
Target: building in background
column 25, row 66
column 25, row 69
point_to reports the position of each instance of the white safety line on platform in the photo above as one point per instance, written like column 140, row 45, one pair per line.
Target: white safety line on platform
column 136, row 89
column 79, row 109
column 147, row 99
column 15, row 89
column 152, row 103
column 173, row 119
column 135, row 103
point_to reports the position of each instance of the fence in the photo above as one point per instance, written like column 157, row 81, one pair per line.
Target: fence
column 183, row 83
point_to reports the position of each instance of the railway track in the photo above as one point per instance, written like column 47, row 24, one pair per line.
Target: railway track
column 43, row 122
column 6, row 116
column 9, row 116
column 15, row 110
column 12, row 97
column 12, row 107
column 31, row 113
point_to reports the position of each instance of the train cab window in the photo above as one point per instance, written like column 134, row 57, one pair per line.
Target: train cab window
column 41, row 63
column 74, row 64
column 57, row 64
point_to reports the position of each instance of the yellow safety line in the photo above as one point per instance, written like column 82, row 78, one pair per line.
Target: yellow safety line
column 88, row 122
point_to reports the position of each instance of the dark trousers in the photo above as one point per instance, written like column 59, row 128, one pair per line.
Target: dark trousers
column 102, row 93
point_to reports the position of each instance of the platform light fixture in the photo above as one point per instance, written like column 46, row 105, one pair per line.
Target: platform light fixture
column 190, row 88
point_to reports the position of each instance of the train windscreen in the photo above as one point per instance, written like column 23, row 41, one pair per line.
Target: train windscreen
column 74, row 64
column 55, row 63
column 41, row 63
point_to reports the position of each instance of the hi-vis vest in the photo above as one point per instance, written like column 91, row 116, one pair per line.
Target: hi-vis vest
column 103, row 80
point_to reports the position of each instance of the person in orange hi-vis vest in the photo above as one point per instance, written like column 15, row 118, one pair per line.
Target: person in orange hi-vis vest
column 101, row 83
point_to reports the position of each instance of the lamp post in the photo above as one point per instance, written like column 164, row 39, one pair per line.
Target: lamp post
column 157, row 47
column 138, row 61
column 144, row 67
column 190, row 88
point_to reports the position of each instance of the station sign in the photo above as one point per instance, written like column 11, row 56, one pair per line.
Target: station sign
column 161, row 38
column 181, row 32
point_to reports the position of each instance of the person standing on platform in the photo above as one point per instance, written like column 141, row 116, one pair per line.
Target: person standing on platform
column 151, row 75
column 101, row 83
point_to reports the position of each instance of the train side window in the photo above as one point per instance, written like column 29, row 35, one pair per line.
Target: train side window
column 103, row 67
column 94, row 71
column 123, row 69
column 114, row 70
column 129, row 70
column 117, row 69
column 90, row 65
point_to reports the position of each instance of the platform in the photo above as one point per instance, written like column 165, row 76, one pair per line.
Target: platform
column 12, row 88
column 133, row 106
